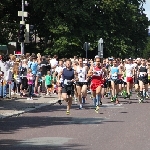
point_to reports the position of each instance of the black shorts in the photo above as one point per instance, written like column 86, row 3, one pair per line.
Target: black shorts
column 105, row 84
column 120, row 81
column 116, row 81
column 81, row 83
column 136, row 81
column 109, row 83
column 68, row 89
column 144, row 80
column 49, row 86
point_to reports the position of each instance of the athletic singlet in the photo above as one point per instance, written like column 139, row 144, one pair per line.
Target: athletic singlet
column 114, row 72
column 97, row 74
column 129, row 68
column 81, row 74
column 142, row 71
column 67, row 75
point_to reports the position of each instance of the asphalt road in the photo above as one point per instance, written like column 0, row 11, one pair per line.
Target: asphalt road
column 116, row 127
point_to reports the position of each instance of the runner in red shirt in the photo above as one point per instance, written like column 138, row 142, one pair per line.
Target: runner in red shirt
column 97, row 72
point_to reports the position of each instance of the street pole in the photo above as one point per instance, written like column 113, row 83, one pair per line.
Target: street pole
column 100, row 48
column 23, row 14
column 22, row 43
column 86, row 48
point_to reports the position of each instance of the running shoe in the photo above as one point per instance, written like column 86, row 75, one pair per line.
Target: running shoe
column 80, row 107
column 113, row 99
column 59, row 101
column 97, row 109
column 141, row 101
column 147, row 96
column 67, row 112
column 100, row 103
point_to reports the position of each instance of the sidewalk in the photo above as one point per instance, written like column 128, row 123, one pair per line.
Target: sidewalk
column 16, row 106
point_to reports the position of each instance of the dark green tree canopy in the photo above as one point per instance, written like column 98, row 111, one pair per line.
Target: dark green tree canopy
column 61, row 27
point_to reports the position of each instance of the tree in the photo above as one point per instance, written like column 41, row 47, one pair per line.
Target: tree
column 63, row 26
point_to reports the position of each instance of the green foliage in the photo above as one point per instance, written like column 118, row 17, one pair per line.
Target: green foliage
column 63, row 26
column 146, row 53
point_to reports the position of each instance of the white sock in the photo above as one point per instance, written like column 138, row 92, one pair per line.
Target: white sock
column 80, row 105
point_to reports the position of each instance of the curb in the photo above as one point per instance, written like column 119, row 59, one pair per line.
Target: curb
column 17, row 113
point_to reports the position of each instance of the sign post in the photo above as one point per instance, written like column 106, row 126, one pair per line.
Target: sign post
column 100, row 48
column 86, row 47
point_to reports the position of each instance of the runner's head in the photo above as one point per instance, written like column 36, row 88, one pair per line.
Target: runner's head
column 61, row 62
column 98, row 61
column 68, row 63
column 114, row 63
column 80, row 61
column 143, row 62
column 129, row 61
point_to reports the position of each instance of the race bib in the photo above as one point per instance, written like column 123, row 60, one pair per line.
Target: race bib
column 97, row 73
column 114, row 76
column 65, row 82
column 142, row 74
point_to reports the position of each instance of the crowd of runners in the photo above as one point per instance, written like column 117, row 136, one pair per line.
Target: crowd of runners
column 72, row 79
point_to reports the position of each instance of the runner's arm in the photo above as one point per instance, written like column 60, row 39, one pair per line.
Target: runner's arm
column 75, row 76
column 90, row 72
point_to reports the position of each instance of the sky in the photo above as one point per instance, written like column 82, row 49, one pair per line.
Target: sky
column 147, row 8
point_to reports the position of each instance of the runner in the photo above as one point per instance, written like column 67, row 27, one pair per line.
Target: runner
column 81, row 84
column 69, row 76
column 114, row 75
column 143, row 80
column 96, row 82
column 129, row 71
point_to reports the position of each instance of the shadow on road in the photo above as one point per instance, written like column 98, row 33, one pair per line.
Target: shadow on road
column 10, row 125
column 20, row 145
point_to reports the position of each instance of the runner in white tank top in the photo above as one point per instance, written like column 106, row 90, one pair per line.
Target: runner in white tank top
column 81, row 84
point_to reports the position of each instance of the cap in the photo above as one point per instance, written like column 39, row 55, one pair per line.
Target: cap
column 97, row 56
column 130, row 59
